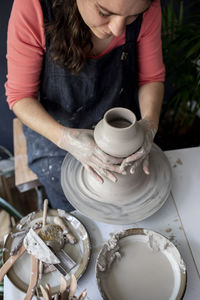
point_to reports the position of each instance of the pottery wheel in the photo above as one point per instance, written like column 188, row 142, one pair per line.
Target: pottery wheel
column 133, row 198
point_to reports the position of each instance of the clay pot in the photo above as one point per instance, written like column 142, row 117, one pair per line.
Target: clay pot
column 118, row 133
column 133, row 197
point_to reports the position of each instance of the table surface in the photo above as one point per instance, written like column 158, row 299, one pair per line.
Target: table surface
column 178, row 220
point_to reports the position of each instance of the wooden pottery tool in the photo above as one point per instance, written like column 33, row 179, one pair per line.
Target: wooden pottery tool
column 69, row 292
column 73, row 286
column 59, row 221
column 56, row 297
column 45, row 208
column 48, row 288
column 10, row 262
column 63, row 289
column 45, row 293
column 33, row 279
column 66, row 292
column 44, row 219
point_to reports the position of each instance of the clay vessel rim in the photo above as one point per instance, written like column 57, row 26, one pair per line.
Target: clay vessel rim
column 120, row 128
column 111, row 115
column 182, row 270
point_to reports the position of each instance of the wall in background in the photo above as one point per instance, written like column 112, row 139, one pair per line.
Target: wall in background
column 6, row 116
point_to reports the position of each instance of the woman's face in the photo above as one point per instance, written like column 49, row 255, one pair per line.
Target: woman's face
column 108, row 18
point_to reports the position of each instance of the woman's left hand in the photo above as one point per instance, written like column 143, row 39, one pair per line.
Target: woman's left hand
column 142, row 155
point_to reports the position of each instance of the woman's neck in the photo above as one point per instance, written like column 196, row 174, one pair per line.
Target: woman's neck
column 99, row 45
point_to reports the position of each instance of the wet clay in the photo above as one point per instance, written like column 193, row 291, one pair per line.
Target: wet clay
column 133, row 197
column 120, row 123
column 118, row 134
column 141, row 273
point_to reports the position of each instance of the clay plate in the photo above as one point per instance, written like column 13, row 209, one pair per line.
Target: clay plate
column 142, row 272
column 80, row 253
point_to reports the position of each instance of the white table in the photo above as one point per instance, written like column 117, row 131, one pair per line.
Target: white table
column 178, row 219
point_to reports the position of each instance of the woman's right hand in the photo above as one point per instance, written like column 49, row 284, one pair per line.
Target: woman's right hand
column 81, row 144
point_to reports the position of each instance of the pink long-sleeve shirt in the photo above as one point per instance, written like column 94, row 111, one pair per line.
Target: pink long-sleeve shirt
column 26, row 47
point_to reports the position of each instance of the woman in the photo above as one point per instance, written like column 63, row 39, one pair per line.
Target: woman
column 79, row 58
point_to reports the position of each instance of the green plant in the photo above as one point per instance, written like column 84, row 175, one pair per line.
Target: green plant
column 181, row 49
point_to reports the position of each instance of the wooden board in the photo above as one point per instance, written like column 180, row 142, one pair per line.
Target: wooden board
column 25, row 179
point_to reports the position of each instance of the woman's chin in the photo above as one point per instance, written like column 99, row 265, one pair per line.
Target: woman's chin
column 101, row 34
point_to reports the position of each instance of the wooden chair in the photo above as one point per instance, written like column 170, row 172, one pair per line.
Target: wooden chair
column 25, row 178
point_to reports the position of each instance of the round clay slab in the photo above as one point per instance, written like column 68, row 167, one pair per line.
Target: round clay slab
column 140, row 264
column 115, row 203
column 19, row 274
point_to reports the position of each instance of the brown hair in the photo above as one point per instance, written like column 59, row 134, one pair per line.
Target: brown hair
column 68, row 34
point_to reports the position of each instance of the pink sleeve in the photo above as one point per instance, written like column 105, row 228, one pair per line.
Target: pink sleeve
column 150, row 61
column 25, row 48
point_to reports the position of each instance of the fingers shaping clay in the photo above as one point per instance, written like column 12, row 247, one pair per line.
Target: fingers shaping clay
column 133, row 197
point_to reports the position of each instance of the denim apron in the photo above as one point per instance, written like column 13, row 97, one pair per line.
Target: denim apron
column 80, row 101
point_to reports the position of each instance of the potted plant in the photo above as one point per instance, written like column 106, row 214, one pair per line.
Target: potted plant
column 181, row 50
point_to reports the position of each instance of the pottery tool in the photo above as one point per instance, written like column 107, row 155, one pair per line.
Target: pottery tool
column 59, row 221
column 67, row 292
column 47, row 245
column 63, row 288
column 48, row 288
column 66, row 262
column 34, row 271
column 83, row 295
column 56, row 297
column 33, row 279
column 73, row 286
column 10, row 262
column 45, row 293
column 44, row 217
column 37, row 247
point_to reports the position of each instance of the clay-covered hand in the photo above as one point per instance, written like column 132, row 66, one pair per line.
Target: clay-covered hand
column 142, row 155
column 80, row 143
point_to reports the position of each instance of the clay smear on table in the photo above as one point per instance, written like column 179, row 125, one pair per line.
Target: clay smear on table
column 145, row 266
